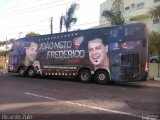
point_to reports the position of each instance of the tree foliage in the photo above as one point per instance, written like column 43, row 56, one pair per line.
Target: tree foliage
column 30, row 34
column 7, row 41
column 115, row 15
column 155, row 43
column 3, row 53
column 154, row 39
column 155, row 11
column 69, row 18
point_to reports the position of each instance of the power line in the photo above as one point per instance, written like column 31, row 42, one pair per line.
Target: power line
column 31, row 25
column 6, row 9
column 12, row 8
column 58, row 28
column 26, row 26
column 47, row 29
column 27, row 11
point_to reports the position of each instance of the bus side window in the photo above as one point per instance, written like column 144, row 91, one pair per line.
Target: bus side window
column 11, row 50
column 130, row 59
column 130, row 66
column 144, row 43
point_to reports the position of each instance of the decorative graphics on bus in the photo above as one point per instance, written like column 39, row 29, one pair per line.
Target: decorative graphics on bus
column 78, row 41
column 62, row 49
column 115, row 49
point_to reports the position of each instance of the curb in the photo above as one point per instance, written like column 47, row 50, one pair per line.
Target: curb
column 150, row 85
column 157, row 78
column 157, row 84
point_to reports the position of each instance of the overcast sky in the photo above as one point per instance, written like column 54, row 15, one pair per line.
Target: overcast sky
column 24, row 16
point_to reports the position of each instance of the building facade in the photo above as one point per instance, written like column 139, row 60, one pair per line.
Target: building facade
column 134, row 11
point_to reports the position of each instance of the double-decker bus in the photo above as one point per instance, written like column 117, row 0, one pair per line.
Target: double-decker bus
column 116, row 53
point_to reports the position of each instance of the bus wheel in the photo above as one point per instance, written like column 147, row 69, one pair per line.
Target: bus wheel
column 31, row 72
column 101, row 77
column 84, row 75
column 21, row 72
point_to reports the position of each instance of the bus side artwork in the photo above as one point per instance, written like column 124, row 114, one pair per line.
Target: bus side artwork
column 116, row 53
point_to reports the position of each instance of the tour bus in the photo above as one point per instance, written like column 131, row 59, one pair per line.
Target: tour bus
column 116, row 53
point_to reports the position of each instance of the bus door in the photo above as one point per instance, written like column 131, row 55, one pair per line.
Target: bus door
column 130, row 67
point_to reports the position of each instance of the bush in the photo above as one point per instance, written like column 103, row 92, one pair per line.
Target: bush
column 2, row 62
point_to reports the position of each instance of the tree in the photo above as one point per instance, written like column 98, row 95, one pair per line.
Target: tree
column 30, row 34
column 151, row 49
column 12, row 40
column 155, row 37
column 69, row 18
column 155, row 11
column 7, row 42
column 155, row 43
column 115, row 15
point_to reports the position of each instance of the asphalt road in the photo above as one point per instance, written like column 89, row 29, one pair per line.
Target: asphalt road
column 37, row 98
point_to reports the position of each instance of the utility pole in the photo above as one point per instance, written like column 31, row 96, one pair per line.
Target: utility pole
column 6, row 43
column 51, row 25
column 20, row 34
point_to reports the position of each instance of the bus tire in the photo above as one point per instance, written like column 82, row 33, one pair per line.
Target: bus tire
column 101, row 77
column 84, row 75
column 21, row 72
column 31, row 72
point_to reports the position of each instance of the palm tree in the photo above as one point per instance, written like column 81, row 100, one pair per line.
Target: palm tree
column 155, row 11
column 115, row 15
column 69, row 18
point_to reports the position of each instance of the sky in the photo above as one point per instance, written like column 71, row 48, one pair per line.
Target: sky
column 19, row 17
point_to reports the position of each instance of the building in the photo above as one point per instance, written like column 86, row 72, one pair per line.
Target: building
column 105, row 5
column 134, row 11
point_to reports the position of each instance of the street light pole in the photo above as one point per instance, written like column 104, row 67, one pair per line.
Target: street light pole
column 51, row 25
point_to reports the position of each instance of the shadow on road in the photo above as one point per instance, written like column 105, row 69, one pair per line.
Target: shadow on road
column 71, row 79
